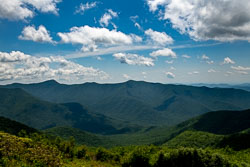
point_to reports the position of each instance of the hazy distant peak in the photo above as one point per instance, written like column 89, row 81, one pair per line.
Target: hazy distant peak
column 50, row 82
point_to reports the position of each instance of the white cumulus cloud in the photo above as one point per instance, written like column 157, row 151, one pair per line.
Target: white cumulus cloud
column 136, row 24
column 107, row 17
column 154, row 4
column 159, row 37
column 242, row 72
column 133, row 59
column 227, row 60
column 17, row 66
column 193, row 73
column 39, row 35
column 126, row 76
column 169, row 61
column 211, row 71
column 186, row 56
column 204, row 57
column 221, row 20
column 240, row 68
column 83, row 7
column 23, row 9
column 207, row 59
column 92, row 37
column 44, row 6
column 170, row 75
column 172, row 68
column 166, row 52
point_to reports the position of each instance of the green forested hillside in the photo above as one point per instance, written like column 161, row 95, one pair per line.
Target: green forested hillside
column 142, row 102
column 13, row 127
column 18, row 105
column 195, row 132
column 219, row 122
column 195, row 139
column 184, row 146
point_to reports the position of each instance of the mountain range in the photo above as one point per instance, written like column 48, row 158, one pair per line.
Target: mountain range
column 126, row 114
column 244, row 86
column 135, row 102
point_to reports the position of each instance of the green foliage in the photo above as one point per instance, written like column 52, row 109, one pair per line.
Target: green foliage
column 238, row 141
column 81, row 152
column 140, row 156
column 195, row 139
column 191, row 158
column 41, row 150
column 103, row 154
column 17, row 151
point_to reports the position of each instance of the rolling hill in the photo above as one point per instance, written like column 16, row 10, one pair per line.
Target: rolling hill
column 141, row 102
column 20, row 106
column 218, row 129
column 210, row 128
column 219, row 122
column 195, row 139
column 196, row 132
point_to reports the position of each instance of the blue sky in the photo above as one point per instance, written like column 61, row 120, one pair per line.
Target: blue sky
column 167, row 41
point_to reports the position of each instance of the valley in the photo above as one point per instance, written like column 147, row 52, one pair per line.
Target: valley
column 136, row 117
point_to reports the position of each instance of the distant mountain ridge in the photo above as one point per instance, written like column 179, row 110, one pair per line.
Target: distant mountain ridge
column 245, row 86
column 141, row 102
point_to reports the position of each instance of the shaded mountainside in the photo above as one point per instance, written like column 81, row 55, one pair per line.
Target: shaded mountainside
column 142, row 102
column 216, row 123
column 182, row 135
column 13, row 127
column 196, row 132
column 20, row 106
column 219, row 122
column 81, row 137
column 237, row 141
column 220, row 129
